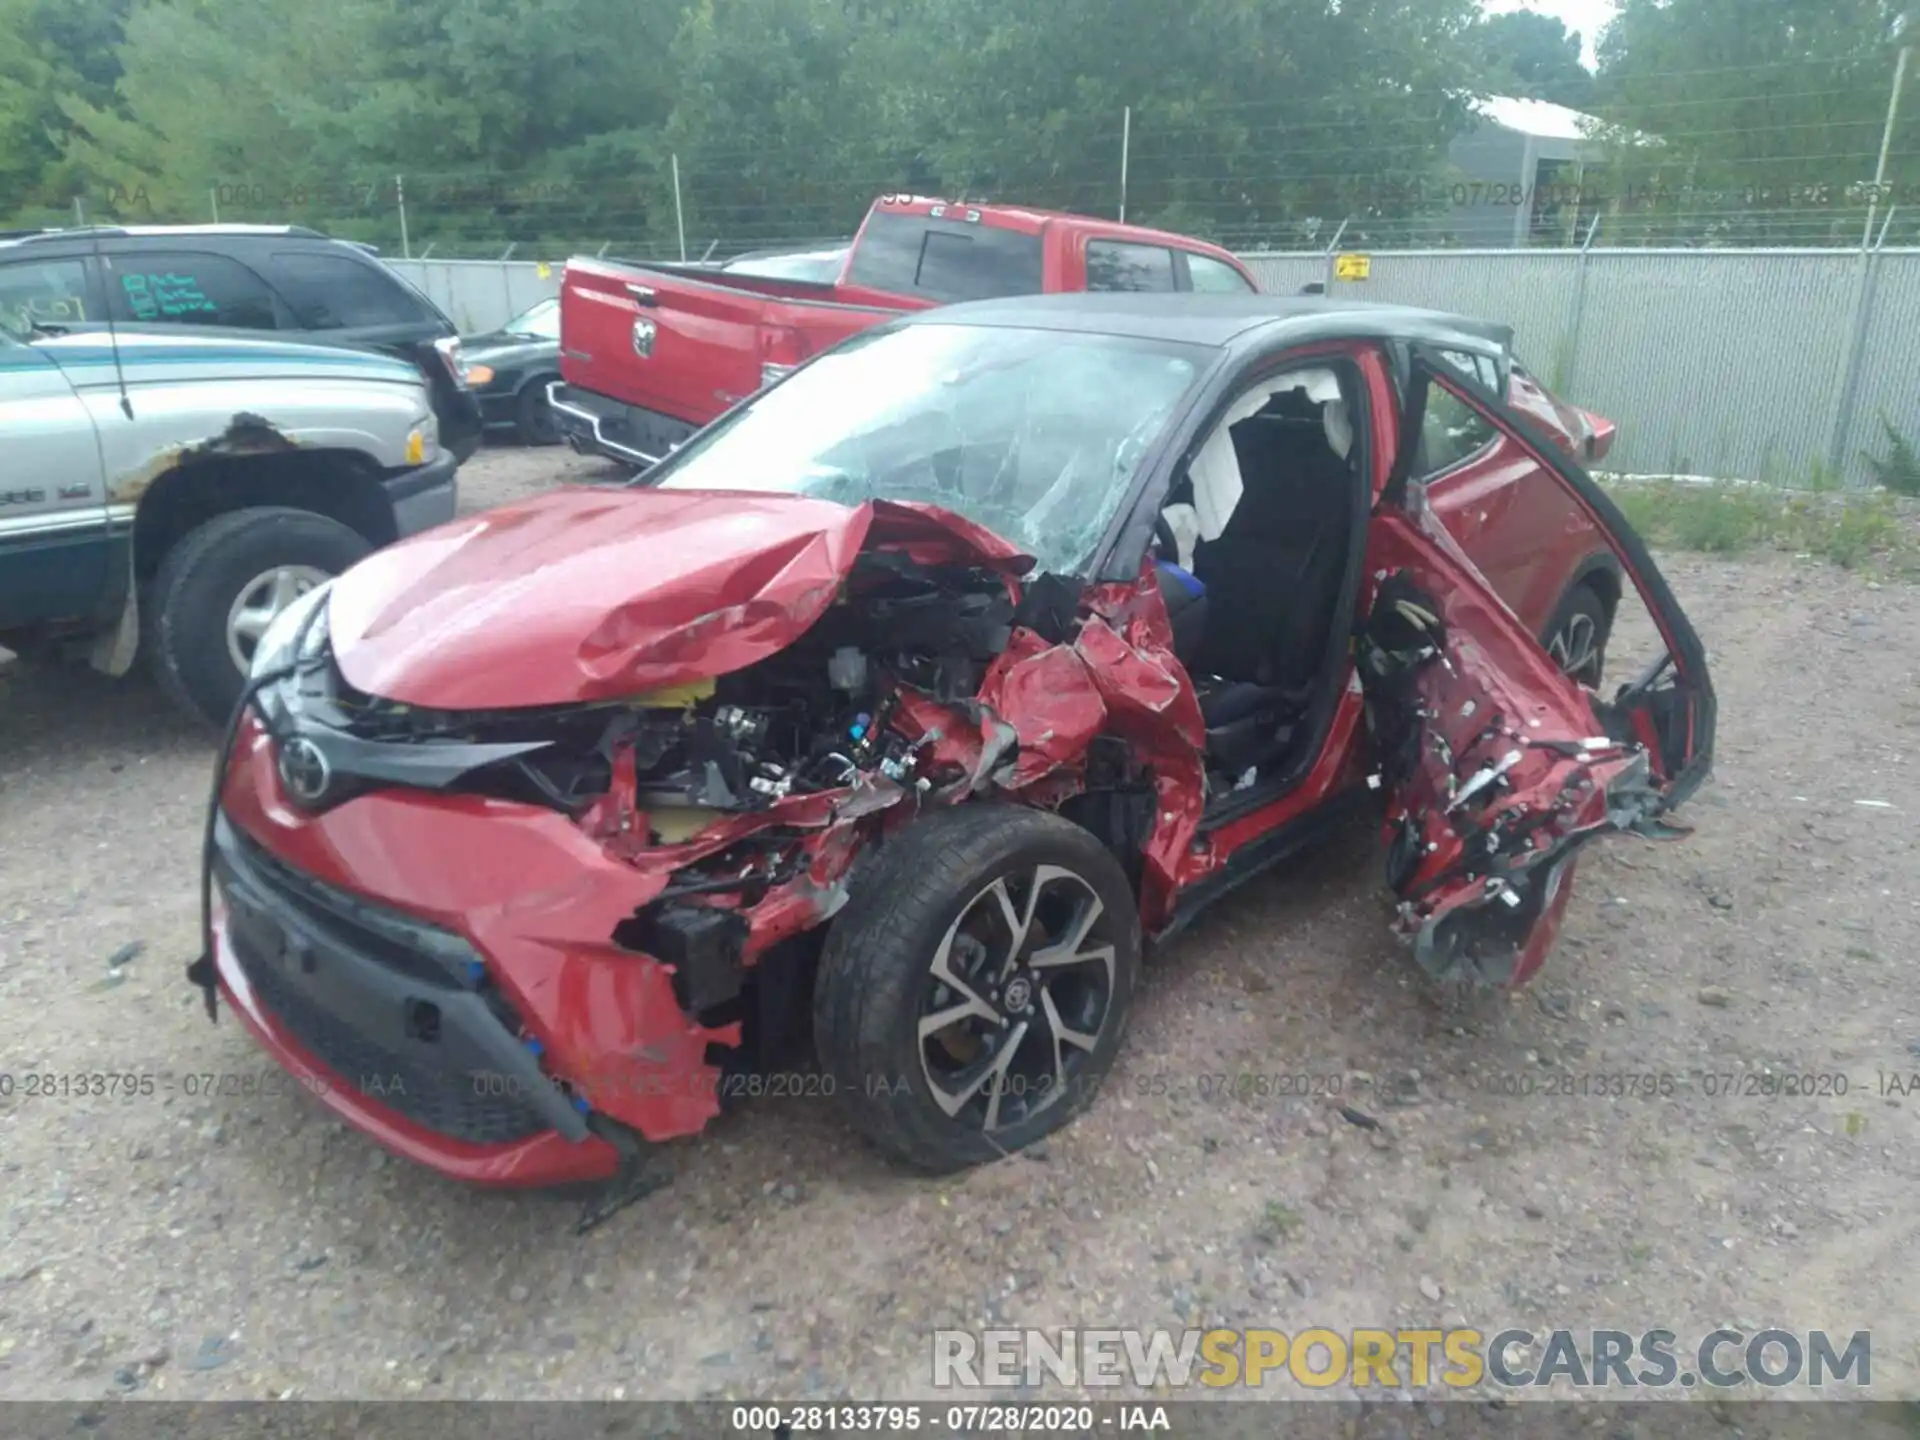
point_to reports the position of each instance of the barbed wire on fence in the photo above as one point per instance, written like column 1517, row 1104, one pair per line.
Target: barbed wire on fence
column 1271, row 184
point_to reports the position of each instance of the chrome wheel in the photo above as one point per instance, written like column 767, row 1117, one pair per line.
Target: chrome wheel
column 260, row 600
column 1575, row 648
column 1018, row 994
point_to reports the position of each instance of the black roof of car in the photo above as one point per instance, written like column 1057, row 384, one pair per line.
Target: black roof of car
column 1218, row 320
column 10, row 238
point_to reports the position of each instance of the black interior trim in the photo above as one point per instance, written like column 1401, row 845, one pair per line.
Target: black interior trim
column 1259, row 855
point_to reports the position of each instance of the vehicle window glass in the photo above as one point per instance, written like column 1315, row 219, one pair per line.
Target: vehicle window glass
column 1113, row 265
column 1211, row 276
column 1034, row 435
column 1450, row 432
column 186, row 288
column 1481, row 368
column 53, row 292
column 333, row 292
column 541, row 321
column 948, row 260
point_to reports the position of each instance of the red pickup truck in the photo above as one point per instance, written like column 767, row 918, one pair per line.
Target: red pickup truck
column 649, row 354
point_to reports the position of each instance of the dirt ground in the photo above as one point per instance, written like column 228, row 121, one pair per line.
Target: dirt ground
column 186, row 1247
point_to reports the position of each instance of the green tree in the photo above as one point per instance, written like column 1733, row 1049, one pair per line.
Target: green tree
column 1768, row 114
column 49, row 50
column 1537, row 56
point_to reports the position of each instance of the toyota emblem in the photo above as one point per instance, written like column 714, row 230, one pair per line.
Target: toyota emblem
column 304, row 770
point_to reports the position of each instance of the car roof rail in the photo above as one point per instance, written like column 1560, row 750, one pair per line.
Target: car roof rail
column 84, row 232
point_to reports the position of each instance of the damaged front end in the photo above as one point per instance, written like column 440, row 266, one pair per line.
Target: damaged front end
column 636, row 882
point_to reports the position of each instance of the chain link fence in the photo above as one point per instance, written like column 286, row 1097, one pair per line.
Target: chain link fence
column 1780, row 366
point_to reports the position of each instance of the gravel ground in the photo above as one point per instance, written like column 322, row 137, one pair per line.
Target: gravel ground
column 183, row 1246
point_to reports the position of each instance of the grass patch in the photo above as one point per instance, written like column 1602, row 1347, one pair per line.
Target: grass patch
column 1278, row 1222
column 1899, row 469
column 1854, row 530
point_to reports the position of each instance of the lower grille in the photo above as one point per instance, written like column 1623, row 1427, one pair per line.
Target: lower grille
column 430, row 1082
column 456, row 1106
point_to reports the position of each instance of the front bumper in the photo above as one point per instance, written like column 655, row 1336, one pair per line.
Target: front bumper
column 597, row 425
column 470, row 1049
column 461, row 422
column 424, row 496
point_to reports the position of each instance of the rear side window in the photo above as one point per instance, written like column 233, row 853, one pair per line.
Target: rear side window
column 333, row 292
column 160, row 287
column 947, row 260
column 1215, row 277
column 1450, row 433
column 1114, row 265
column 50, row 292
column 1474, row 367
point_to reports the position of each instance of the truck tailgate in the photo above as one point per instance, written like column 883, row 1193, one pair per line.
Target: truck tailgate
column 684, row 346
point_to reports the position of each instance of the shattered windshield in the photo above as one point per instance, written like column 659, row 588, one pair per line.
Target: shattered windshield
column 1033, row 434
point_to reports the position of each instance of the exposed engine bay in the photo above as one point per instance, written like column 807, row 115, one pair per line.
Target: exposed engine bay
column 810, row 718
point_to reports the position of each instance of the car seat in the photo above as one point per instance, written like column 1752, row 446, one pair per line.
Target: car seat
column 1271, row 579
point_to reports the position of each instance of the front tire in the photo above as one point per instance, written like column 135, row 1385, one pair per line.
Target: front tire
column 218, row 588
column 533, row 416
column 975, row 991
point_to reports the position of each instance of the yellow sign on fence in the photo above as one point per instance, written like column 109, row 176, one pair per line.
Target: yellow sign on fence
column 1352, row 267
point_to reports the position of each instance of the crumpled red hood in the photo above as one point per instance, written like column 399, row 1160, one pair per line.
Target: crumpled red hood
column 586, row 594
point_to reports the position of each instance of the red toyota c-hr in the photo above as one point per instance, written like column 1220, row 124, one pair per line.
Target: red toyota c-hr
column 901, row 707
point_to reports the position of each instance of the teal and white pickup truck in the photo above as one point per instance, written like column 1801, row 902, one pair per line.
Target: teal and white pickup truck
column 169, row 495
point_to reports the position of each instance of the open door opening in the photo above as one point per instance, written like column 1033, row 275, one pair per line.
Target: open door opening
column 1258, row 548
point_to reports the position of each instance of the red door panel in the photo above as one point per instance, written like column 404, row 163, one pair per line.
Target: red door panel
column 1487, row 506
column 1498, row 768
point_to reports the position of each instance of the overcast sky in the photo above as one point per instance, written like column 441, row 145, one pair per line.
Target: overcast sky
column 1586, row 16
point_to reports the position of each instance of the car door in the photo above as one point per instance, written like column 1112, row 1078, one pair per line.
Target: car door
column 54, row 524
column 1497, row 768
column 195, row 289
column 337, row 297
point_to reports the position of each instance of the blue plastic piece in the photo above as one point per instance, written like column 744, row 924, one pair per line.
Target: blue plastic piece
column 476, row 972
column 534, row 1046
column 1186, row 579
column 580, row 1104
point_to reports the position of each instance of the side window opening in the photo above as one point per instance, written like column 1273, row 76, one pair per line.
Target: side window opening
column 1118, row 265
column 1450, row 433
column 45, row 292
column 1215, row 277
column 188, row 288
column 336, row 292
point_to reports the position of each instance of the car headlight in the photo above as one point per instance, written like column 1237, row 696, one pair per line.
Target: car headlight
column 296, row 635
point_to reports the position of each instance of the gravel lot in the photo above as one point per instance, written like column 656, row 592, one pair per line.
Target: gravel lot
column 185, row 1246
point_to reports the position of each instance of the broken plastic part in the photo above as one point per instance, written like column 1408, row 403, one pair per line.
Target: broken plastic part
column 847, row 669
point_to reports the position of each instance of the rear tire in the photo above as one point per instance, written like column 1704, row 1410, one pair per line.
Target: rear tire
column 1020, row 931
column 533, row 417
column 1577, row 635
column 208, row 573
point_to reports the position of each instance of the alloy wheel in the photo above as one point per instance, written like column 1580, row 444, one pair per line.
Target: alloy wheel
column 260, row 600
column 1017, row 995
column 1575, row 648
